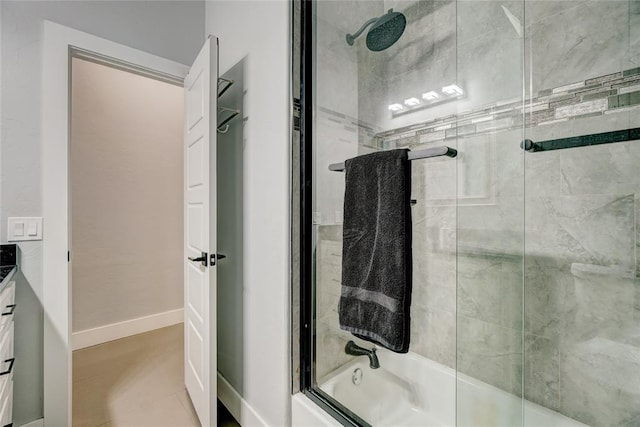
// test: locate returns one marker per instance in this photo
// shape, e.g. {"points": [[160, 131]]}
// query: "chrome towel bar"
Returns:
{"points": [[413, 155]]}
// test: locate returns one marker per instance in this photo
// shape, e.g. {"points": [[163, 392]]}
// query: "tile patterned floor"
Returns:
{"points": [[136, 381]]}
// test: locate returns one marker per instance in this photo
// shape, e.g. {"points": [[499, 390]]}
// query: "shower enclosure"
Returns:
{"points": [[526, 300]]}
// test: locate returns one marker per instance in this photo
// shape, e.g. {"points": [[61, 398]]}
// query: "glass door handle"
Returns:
{"points": [[202, 259]]}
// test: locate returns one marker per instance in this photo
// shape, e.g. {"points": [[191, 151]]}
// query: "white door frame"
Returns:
{"points": [[58, 44]]}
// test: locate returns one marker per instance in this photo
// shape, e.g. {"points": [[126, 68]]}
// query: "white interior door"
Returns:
{"points": [[200, 98]]}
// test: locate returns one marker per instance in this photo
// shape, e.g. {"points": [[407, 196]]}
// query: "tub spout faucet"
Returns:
{"points": [[355, 350]]}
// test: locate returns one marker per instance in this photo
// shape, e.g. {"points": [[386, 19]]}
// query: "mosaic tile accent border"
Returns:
{"points": [[349, 129], [592, 97], [606, 94], [296, 114]]}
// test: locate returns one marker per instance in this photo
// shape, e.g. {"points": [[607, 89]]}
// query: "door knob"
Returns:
{"points": [[202, 259]]}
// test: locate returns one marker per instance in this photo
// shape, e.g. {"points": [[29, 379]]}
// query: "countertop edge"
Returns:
{"points": [[7, 279]]}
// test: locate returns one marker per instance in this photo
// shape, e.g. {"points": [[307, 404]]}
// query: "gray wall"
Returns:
{"points": [[524, 265], [256, 36], [174, 30], [126, 168], [231, 235]]}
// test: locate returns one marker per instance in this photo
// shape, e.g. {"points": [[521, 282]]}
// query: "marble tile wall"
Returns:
{"points": [[581, 291], [634, 32], [563, 47], [525, 264], [341, 131], [337, 101]]}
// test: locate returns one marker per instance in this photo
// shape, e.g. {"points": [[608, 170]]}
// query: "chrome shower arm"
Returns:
{"points": [[351, 37]]}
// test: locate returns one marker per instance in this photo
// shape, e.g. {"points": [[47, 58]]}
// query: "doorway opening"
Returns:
{"points": [[126, 218], [61, 44]]}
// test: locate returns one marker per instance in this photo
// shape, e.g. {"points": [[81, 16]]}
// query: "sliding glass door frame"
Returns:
{"points": [[306, 28]]}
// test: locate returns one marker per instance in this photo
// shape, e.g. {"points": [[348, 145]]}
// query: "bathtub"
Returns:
{"points": [[410, 390]]}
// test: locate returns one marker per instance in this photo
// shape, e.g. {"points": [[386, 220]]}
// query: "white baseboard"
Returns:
{"points": [[237, 406], [114, 331], [37, 423]]}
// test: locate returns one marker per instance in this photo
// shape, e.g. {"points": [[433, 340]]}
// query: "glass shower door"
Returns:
{"points": [[581, 305], [369, 100], [489, 202], [525, 302]]}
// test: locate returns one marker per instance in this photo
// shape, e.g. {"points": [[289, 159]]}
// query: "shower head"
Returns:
{"points": [[386, 30]]}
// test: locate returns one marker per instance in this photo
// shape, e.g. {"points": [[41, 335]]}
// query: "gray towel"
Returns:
{"points": [[376, 254]]}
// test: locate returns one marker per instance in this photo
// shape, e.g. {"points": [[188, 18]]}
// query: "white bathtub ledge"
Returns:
{"points": [[305, 413]]}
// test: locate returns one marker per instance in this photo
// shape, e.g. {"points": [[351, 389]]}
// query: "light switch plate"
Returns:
{"points": [[24, 228], [18, 229]]}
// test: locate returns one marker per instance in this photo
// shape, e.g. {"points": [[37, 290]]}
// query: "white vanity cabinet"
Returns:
{"points": [[7, 360]]}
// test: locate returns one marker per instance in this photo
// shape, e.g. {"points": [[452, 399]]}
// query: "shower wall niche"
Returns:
{"points": [[525, 263]]}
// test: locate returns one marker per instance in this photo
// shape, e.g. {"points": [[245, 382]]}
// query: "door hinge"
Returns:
{"points": [[68, 256]]}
